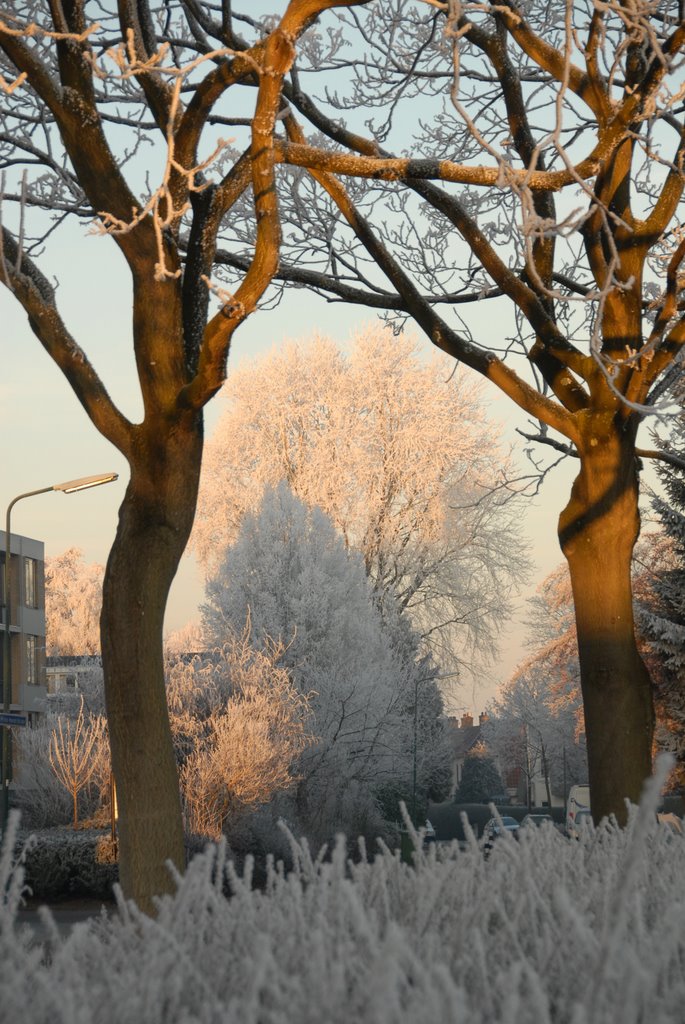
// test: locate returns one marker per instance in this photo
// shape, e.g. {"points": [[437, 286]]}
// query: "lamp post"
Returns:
{"points": [[68, 487]]}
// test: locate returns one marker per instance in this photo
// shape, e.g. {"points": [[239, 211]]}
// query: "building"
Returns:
{"points": [[66, 673], [27, 625], [465, 738]]}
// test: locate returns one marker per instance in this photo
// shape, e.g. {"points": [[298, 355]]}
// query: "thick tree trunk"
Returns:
{"points": [[155, 520], [597, 531]]}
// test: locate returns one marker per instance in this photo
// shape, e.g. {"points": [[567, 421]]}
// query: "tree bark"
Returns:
{"points": [[155, 519], [597, 532]]}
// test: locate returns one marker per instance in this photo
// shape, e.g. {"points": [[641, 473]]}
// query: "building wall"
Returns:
{"points": [[27, 626]]}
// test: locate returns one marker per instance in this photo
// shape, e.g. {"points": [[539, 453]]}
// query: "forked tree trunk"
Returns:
{"points": [[155, 519], [597, 531]]}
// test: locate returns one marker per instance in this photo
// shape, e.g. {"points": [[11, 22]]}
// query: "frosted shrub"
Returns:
{"points": [[545, 931]]}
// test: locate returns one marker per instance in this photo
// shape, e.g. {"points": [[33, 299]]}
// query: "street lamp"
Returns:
{"points": [[68, 487]]}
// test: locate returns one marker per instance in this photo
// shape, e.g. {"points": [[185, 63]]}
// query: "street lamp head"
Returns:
{"points": [[85, 482]]}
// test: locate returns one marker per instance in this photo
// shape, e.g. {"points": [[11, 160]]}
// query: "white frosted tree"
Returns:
{"points": [[533, 730], [291, 575], [73, 601], [403, 460]]}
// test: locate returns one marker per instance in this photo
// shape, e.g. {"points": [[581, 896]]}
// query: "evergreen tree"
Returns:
{"points": [[377, 717], [480, 780], [664, 623], [668, 625]]}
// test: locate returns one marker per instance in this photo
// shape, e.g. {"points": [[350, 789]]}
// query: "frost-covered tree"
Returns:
{"points": [[420, 496], [73, 601], [536, 726], [534, 732], [376, 712]]}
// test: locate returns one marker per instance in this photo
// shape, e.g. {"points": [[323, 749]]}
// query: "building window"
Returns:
{"points": [[31, 660], [30, 589]]}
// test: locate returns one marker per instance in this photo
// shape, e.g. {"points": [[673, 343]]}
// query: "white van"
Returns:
{"points": [[578, 800]]}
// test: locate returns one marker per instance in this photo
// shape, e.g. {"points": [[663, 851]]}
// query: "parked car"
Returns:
{"points": [[496, 827], [536, 820]]}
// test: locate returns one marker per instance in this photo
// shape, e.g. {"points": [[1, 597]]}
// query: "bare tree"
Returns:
{"points": [[81, 99], [541, 172], [76, 752]]}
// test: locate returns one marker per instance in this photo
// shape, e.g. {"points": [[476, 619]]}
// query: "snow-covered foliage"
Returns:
{"points": [[239, 725], [61, 864], [39, 794], [73, 599], [546, 930], [376, 710], [402, 458]]}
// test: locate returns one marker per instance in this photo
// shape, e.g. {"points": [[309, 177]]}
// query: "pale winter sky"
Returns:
{"points": [[47, 438]]}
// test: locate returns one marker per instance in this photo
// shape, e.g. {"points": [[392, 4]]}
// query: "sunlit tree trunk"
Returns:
{"points": [[154, 523], [597, 531]]}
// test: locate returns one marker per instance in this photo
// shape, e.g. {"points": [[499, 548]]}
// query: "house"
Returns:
{"points": [[26, 624], [465, 737], [66, 673]]}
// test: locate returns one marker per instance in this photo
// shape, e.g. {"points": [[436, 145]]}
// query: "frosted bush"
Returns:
{"points": [[544, 931]]}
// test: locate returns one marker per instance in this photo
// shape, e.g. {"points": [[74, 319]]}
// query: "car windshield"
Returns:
{"points": [[509, 822]]}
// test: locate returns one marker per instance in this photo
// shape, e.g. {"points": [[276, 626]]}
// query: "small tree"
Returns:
{"points": [[480, 779], [75, 752]]}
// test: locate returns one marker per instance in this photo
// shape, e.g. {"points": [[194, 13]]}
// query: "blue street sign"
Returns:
{"points": [[12, 719]]}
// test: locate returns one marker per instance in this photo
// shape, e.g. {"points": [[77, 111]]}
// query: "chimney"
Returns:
{"points": [[466, 721], [482, 718]]}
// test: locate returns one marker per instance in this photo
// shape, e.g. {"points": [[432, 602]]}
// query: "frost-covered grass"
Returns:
{"points": [[544, 930]]}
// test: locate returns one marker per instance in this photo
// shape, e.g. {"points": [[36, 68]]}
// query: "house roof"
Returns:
{"points": [[464, 739]]}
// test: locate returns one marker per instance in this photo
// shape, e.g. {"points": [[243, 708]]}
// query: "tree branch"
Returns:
{"points": [[30, 287]]}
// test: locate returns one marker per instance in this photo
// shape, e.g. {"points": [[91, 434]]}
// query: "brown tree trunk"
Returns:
{"points": [[597, 531], [155, 520]]}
